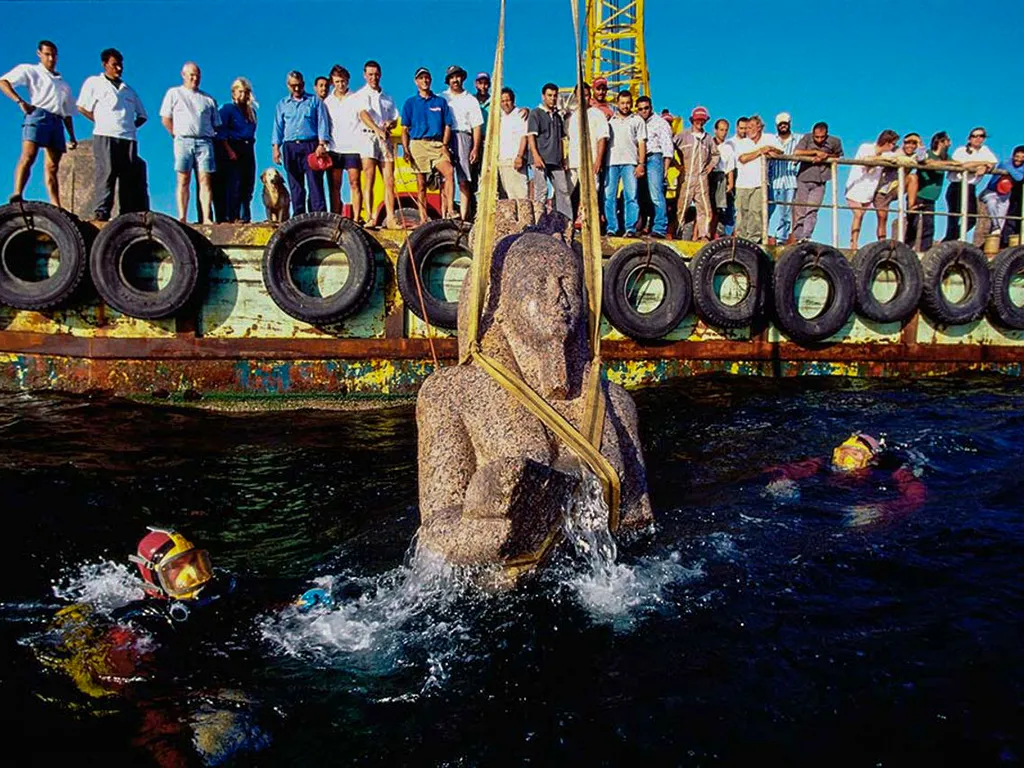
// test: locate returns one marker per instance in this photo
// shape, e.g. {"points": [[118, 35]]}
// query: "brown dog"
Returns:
{"points": [[276, 199]]}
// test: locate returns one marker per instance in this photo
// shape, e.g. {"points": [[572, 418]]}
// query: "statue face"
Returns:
{"points": [[545, 300]]}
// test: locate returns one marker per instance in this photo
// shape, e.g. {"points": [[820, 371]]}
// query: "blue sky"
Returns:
{"points": [[860, 67]]}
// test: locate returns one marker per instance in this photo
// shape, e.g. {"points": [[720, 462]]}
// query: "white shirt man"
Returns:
{"points": [[512, 145], [465, 110], [192, 112], [382, 110], [346, 130], [46, 90], [748, 175], [115, 107], [597, 125], [117, 112], [626, 133], [968, 155]]}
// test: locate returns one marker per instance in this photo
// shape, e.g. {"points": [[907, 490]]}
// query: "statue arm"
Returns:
{"points": [[447, 459]]}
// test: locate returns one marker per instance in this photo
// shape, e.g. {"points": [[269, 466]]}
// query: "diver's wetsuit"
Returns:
{"points": [[888, 467]]}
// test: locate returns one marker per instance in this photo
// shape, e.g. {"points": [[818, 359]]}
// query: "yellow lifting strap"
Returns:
{"points": [[585, 443]]}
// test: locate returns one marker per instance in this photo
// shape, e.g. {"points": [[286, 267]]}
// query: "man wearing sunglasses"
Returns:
{"points": [[978, 160]]}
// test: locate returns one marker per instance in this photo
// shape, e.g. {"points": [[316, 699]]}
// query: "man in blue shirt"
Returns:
{"points": [[301, 127], [426, 130]]}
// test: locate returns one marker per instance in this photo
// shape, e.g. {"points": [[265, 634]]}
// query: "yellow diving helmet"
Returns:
{"points": [[171, 566], [858, 451]]}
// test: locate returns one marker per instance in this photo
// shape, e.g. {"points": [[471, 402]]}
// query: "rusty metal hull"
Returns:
{"points": [[236, 343]]}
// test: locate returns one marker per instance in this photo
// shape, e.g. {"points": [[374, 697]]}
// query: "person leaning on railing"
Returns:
{"points": [[996, 195], [812, 176], [921, 212], [862, 183], [749, 188], [908, 155], [978, 160]]}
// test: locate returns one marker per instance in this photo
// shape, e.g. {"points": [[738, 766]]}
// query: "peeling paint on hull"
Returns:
{"points": [[237, 343]]}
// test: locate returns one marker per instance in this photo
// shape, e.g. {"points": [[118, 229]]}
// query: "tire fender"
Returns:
{"points": [[936, 264], [112, 245], [909, 277], [744, 255], [840, 300], [675, 276], [306, 232], [62, 228]]}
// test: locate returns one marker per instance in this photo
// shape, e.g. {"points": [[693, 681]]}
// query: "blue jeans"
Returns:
{"points": [[300, 175], [780, 217], [627, 175], [44, 129], [656, 189]]}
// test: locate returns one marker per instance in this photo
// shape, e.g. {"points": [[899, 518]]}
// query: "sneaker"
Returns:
{"points": [[15, 199], [659, 235], [630, 234]]}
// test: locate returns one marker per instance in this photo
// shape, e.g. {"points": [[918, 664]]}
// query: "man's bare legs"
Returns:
{"points": [[29, 150], [182, 194], [355, 191], [421, 196], [388, 171], [369, 177], [50, 168], [206, 197], [334, 184]]}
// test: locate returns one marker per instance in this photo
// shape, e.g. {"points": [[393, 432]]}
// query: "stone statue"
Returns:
{"points": [[494, 482]]}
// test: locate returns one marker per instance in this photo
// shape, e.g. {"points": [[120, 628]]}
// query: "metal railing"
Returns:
{"points": [[902, 168]]}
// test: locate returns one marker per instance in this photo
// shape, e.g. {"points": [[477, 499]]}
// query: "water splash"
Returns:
{"points": [[104, 585], [612, 591], [415, 616]]}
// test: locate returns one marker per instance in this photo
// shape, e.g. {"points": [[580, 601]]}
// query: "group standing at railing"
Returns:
{"points": [[766, 187]]}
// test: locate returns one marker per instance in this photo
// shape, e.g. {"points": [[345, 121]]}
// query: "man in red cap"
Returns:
{"points": [[698, 154], [600, 97]]}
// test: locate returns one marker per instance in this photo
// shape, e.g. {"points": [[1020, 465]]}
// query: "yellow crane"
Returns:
{"points": [[615, 45]]}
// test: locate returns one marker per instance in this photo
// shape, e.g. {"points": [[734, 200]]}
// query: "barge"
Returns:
{"points": [[231, 340]]}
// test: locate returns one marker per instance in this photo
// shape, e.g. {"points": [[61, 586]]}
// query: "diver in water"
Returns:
{"points": [[860, 461], [140, 652]]}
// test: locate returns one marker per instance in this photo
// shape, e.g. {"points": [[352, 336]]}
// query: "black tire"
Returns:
{"points": [[113, 243], [972, 261], [302, 234], [417, 250], [63, 230], [909, 277], [670, 267], [750, 258], [1008, 263], [839, 304]]}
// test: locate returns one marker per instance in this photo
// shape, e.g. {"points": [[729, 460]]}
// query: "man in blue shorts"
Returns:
{"points": [[192, 118], [47, 114]]}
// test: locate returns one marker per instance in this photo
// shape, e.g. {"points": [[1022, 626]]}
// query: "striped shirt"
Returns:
{"points": [[783, 175]]}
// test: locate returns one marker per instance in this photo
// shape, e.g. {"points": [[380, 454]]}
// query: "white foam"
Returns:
{"points": [[106, 585]]}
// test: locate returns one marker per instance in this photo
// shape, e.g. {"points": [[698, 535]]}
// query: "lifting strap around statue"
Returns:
{"points": [[585, 443]]}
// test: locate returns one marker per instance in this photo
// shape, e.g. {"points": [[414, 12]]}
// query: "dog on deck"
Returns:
{"points": [[276, 199]]}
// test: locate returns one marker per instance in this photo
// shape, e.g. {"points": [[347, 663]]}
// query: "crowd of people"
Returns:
{"points": [[337, 136]]}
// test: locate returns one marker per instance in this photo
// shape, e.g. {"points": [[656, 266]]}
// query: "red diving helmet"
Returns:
{"points": [[171, 566]]}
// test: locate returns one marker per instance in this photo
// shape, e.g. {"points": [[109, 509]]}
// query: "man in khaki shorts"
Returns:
{"points": [[427, 124]]}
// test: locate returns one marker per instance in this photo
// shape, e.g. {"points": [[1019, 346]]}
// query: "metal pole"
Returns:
{"points": [[764, 200], [901, 210], [835, 205], [963, 206]]}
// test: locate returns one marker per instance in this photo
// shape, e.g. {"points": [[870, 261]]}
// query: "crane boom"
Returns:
{"points": [[615, 45]]}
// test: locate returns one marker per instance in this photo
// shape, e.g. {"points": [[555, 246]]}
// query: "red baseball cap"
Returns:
{"points": [[599, 80], [699, 113], [1005, 185], [319, 162]]}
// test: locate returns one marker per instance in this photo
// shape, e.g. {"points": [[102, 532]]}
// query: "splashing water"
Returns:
{"points": [[106, 586], [416, 615], [610, 590]]}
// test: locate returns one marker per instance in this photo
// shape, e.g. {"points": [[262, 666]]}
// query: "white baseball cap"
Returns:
{"points": [[783, 117]]}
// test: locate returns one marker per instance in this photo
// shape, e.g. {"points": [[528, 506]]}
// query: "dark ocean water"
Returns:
{"points": [[797, 623]]}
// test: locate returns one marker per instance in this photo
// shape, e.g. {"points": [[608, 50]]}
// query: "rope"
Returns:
{"points": [[423, 304], [583, 443]]}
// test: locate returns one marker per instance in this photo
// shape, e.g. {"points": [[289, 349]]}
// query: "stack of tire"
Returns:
{"points": [[771, 289]]}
